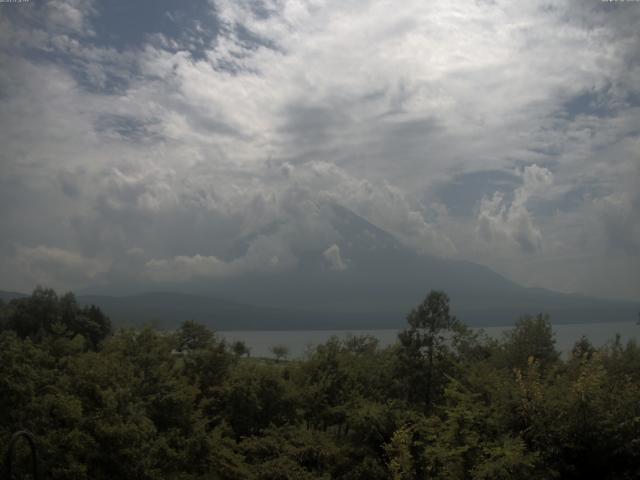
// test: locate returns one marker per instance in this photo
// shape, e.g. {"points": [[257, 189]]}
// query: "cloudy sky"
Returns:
{"points": [[141, 140]]}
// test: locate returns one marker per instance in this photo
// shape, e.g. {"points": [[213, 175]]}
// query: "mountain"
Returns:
{"points": [[356, 276], [380, 279]]}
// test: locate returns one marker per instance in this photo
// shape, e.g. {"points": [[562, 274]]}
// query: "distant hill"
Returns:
{"points": [[8, 296], [167, 310]]}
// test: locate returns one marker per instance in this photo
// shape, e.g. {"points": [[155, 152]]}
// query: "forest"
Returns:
{"points": [[443, 402]]}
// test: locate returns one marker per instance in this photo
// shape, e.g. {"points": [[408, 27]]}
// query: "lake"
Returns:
{"points": [[299, 341]]}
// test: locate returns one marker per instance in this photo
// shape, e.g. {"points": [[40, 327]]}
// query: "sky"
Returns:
{"points": [[143, 140]]}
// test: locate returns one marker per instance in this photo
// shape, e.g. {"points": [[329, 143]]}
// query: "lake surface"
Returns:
{"points": [[300, 341]]}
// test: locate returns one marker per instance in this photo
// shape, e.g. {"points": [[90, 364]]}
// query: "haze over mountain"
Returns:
{"points": [[355, 275], [364, 269], [201, 147]]}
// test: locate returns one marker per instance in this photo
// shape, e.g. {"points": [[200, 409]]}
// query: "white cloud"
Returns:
{"points": [[334, 259], [52, 266], [69, 15], [500, 220], [181, 268], [360, 103]]}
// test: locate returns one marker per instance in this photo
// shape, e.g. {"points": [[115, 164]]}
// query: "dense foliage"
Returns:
{"points": [[442, 403]]}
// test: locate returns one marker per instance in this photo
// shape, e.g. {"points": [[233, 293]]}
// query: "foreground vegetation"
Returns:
{"points": [[443, 403]]}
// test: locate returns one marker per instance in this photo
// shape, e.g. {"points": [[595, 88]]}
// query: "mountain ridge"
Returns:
{"points": [[377, 283]]}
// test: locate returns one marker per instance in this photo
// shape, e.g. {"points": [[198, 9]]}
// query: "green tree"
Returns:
{"points": [[254, 397], [93, 324], [35, 316], [150, 405], [424, 349], [583, 349], [531, 337], [193, 336], [280, 351], [240, 349], [291, 452], [401, 463], [45, 315]]}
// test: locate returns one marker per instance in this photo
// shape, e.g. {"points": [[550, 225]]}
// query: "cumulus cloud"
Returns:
{"points": [[70, 15], [333, 258], [264, 254], [54, 266], [500, 219], [181, 268], [381, 203]]}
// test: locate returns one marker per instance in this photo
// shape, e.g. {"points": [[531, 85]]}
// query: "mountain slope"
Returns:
{"points": [[383, 279], [168, 309], [357, 277]]}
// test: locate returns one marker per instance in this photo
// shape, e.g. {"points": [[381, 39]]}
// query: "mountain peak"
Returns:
{"points": [[355, 231]]}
